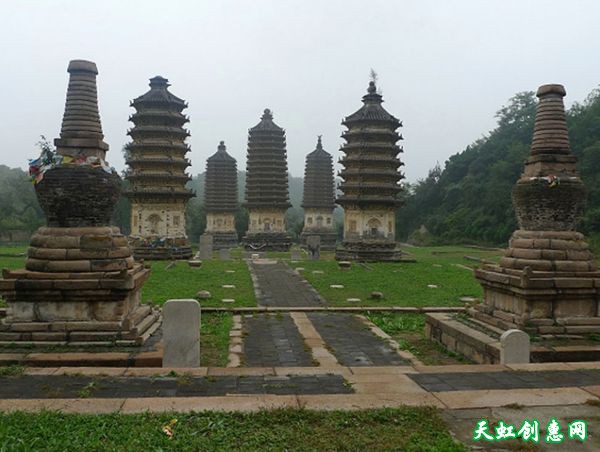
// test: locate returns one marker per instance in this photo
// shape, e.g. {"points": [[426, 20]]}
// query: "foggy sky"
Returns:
{"points": [[444, 67]]}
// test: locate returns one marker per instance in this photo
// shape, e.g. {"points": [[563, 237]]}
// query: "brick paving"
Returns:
{"points": [[80, 386], [273, 340], [278, 285], [352, 342], [473, 381]]}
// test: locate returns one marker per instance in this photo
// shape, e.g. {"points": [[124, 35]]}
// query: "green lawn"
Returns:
{"points": [[408, 330], [214, 338], [406, 429], [403, 284], [183, 281]]}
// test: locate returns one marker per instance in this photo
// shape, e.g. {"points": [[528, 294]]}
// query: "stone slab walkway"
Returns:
{"points": [[352, 342], [103, 387], [459, 381], [273, 340], [276, 284]]}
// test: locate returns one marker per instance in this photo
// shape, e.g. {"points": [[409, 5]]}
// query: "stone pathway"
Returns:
{"points": [[440, 382], [273, 340], [276, 284], [352, 342], [99, 387]]}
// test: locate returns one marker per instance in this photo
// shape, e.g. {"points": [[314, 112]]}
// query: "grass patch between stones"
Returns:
{"points": [[214, 338], [405, 428]]}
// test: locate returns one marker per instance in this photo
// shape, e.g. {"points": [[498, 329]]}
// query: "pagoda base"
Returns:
{"points": [[370, 252], [328, 239], [224, 240], [480, 342], [80, 287], [176, 248], [267, 241]]}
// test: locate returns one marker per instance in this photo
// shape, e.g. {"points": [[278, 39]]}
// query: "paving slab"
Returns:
{"points": [[352, 342], [279, 285], [182, 385], [223, 403], [518, 397], [273, 340], [462, 423]]}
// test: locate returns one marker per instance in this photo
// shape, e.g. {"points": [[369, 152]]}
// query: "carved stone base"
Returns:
{"points": [[80, 287], [267, 241], [160, 249], [224, 240], [370, 251], [328, 239]]}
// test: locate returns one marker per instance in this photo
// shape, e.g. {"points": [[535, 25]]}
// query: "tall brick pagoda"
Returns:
{"points": [[267, 196], [370, 182], [319, 198], [221, 198], [157, 164], [547, 283], [80, 284]]}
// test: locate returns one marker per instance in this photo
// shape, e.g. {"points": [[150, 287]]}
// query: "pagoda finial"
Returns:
{"points": [[267, 114], [221, 146], [372, 89], [319, 144]]}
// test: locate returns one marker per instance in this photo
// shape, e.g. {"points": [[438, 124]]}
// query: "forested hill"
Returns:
{"points": [[469, 200]]}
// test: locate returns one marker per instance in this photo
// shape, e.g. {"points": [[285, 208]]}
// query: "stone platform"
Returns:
{"points": [[267, 241], [479, 341], [167, 249], [80, 286], [369, 252], [223, 240]]}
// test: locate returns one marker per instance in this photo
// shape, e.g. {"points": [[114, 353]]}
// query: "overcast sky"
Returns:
{"points": [[444, 67]]}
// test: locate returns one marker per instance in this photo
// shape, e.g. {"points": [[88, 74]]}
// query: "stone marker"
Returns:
{"points": [[195, 263], [377, 295], [228, 286], [344, 265], [181, 333], [514, 347], [299, 269], [432, 286], [336, 286], [318, 272], [353, 300], [296, 255], [229, 271], [313, 245], [203, 295], [224, 254], [205, 248], [255, 256], [228, 300]]}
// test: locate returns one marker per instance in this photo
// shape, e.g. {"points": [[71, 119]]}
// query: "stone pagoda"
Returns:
{"points": [[157, 164], [267, 196], [319, 198], [370, 182], [221, 198], [80, 284], [547, 283]]}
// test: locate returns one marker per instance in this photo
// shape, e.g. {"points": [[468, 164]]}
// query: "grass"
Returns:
{"points": [[408, 330], [214, 338], [183, 281], [405, 428], [402, 284]]}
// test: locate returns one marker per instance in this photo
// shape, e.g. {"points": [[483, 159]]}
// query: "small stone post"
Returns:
{"points": [[181, 333], [514, 347]]}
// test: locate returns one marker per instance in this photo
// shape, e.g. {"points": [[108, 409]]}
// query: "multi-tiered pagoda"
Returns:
{"points": [[80, 285], [319, 198], [267, 196], [370, 182], [220, 198], [157, 162]]}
